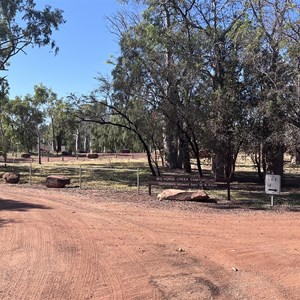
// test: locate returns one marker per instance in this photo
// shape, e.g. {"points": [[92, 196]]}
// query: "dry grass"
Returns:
{"points": [[112, 172]]}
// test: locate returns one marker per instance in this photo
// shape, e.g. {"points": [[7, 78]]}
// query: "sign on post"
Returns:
{"points": [[273, 184]]}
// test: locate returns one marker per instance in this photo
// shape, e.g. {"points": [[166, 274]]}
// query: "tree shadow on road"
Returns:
{"points": [[8, 204]]}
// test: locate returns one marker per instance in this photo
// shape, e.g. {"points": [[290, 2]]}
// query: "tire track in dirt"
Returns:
{"points": [[19, 244], [89, 264], [161, 252], [280, 264], [125, 259], [65, 255], [122, 249], [104, 250]]}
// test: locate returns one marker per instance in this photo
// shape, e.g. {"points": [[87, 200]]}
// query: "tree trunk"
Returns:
{"points": [[148, 152], [274, 159], [39, 148], [257, 160], [297, 157], [59, 140], [77, 141], [170, 146], [53, 135], [85, 143], [218, 165], [184, 155], [4, 143], [196, 151]]}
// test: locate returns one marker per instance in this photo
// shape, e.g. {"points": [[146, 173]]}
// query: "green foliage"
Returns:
{"points": [[218, 74], [21, 24], [25, 120], [59, 116]]}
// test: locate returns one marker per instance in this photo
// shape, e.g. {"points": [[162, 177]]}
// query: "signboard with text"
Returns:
{"points": [[273, 184], [176, 181]]}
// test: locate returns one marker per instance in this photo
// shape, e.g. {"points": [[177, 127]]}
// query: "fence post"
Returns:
{"points": [[30, 173], [138, 181], [80, 176]]}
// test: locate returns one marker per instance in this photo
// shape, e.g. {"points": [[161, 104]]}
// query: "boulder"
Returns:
{"points": [[57, 181], [125, 151], [92, 155], [182, 195], [11, 177]]}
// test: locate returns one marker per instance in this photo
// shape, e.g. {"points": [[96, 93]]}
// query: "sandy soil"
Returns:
{"points": [[70, 244]]}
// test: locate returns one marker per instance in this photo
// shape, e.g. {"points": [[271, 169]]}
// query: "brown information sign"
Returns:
{"points": [[176, 181]]}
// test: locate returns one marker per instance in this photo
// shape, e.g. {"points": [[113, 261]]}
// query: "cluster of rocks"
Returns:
{"points": [[51, 181], [54, 181]]}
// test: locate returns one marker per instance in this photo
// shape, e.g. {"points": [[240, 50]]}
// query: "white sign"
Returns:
{"points": [[273, 184]]}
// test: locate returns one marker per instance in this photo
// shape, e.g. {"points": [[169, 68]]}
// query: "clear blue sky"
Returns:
{"points": [[85, 44]]}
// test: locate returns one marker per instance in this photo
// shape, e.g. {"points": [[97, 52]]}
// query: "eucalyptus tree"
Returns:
{"points": [[26, 122], [114, 139], [22, 24], [219, 72], [5, 132], [101, 108], [217, 22], [48, 101], [271, 62], [292, 36], [58, 116], [160, 62]]}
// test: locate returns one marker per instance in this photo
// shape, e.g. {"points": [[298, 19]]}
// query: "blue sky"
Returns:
{"points": [[85, 44]]}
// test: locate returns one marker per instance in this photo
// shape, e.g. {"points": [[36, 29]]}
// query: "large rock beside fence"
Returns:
{"points": [[182, 195], [92, 155], [11, 177], [125, 151], [57, 181]]}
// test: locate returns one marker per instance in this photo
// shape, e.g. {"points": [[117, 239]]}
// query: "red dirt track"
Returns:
{"points": [[69, 244]]}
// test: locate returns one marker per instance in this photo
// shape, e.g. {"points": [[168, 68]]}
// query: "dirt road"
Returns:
{"points": [[60, 244]]}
